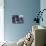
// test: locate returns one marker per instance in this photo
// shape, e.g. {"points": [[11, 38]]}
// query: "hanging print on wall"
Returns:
{"points": [[17, 19]]}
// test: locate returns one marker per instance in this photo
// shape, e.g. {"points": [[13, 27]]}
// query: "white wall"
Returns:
{"points": [[1, 20], [43, 6], [28, 8]]}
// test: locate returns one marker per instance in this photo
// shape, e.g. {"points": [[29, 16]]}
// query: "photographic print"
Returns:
{"points": [[17, 19]]}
